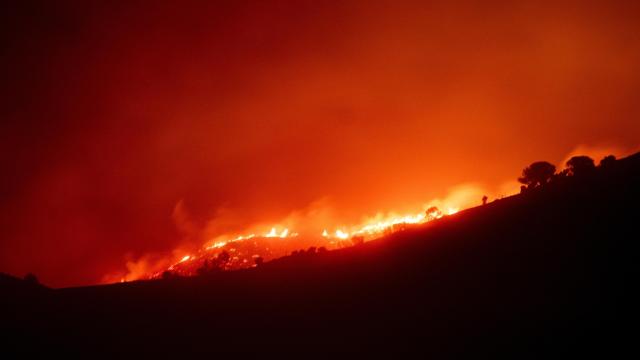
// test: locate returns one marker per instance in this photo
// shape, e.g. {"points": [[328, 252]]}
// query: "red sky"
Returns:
{"points": [[113, 113]]}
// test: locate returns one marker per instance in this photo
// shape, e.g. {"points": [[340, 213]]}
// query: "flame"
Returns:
{"points": [[238, 258], [241, 251], [273, 233], [374, 228], [219, 244]]}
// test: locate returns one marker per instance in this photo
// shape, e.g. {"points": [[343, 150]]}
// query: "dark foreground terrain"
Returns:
{"points": [[552, 272]]}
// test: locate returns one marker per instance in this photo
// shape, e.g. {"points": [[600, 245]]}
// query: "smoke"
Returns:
{"points": [[597, 152], [183, 221], [304, 223], [140, 267], [460, 197], [227, 224]]}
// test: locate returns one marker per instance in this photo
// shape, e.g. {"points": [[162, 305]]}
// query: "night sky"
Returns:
{"points": [[137, 127]]}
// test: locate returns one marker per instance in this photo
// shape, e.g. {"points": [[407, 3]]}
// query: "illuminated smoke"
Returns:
{"points": [[316, 225]]}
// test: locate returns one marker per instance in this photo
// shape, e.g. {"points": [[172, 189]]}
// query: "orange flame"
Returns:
{"points": [[242, 251], [368, 230]]}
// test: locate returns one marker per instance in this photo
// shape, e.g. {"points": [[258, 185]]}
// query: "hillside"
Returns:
{"points": [[549, 272]]}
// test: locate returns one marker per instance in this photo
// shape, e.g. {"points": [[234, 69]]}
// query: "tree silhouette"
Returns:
{"points": [[607, 161], [580, 165], [484, 200], [537, 174]]}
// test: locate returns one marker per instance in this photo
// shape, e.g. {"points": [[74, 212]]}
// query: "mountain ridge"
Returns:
{"points": [[548, 271]]}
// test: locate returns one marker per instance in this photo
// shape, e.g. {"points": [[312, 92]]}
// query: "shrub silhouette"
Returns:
{"points": [[580, 165], [357, 240], [484, 200], [31, 279], [166, 275], [224, 257], [258, 260], [214, 265], [204, 269], [433, 213], [537, 174]]}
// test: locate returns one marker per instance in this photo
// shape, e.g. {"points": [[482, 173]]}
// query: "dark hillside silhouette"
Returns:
{"points": [[551, 272]]}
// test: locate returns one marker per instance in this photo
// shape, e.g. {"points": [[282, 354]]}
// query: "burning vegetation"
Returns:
{"points": [[224, 253], [251, 250]]}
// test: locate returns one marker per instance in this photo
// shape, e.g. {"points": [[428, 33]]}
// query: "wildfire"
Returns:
{"points": [[242, 251], [264, 242]]}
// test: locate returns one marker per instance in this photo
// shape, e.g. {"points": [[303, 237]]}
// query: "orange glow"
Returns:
{"points": [[313, 227], [223, 135], [368, 230]]}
